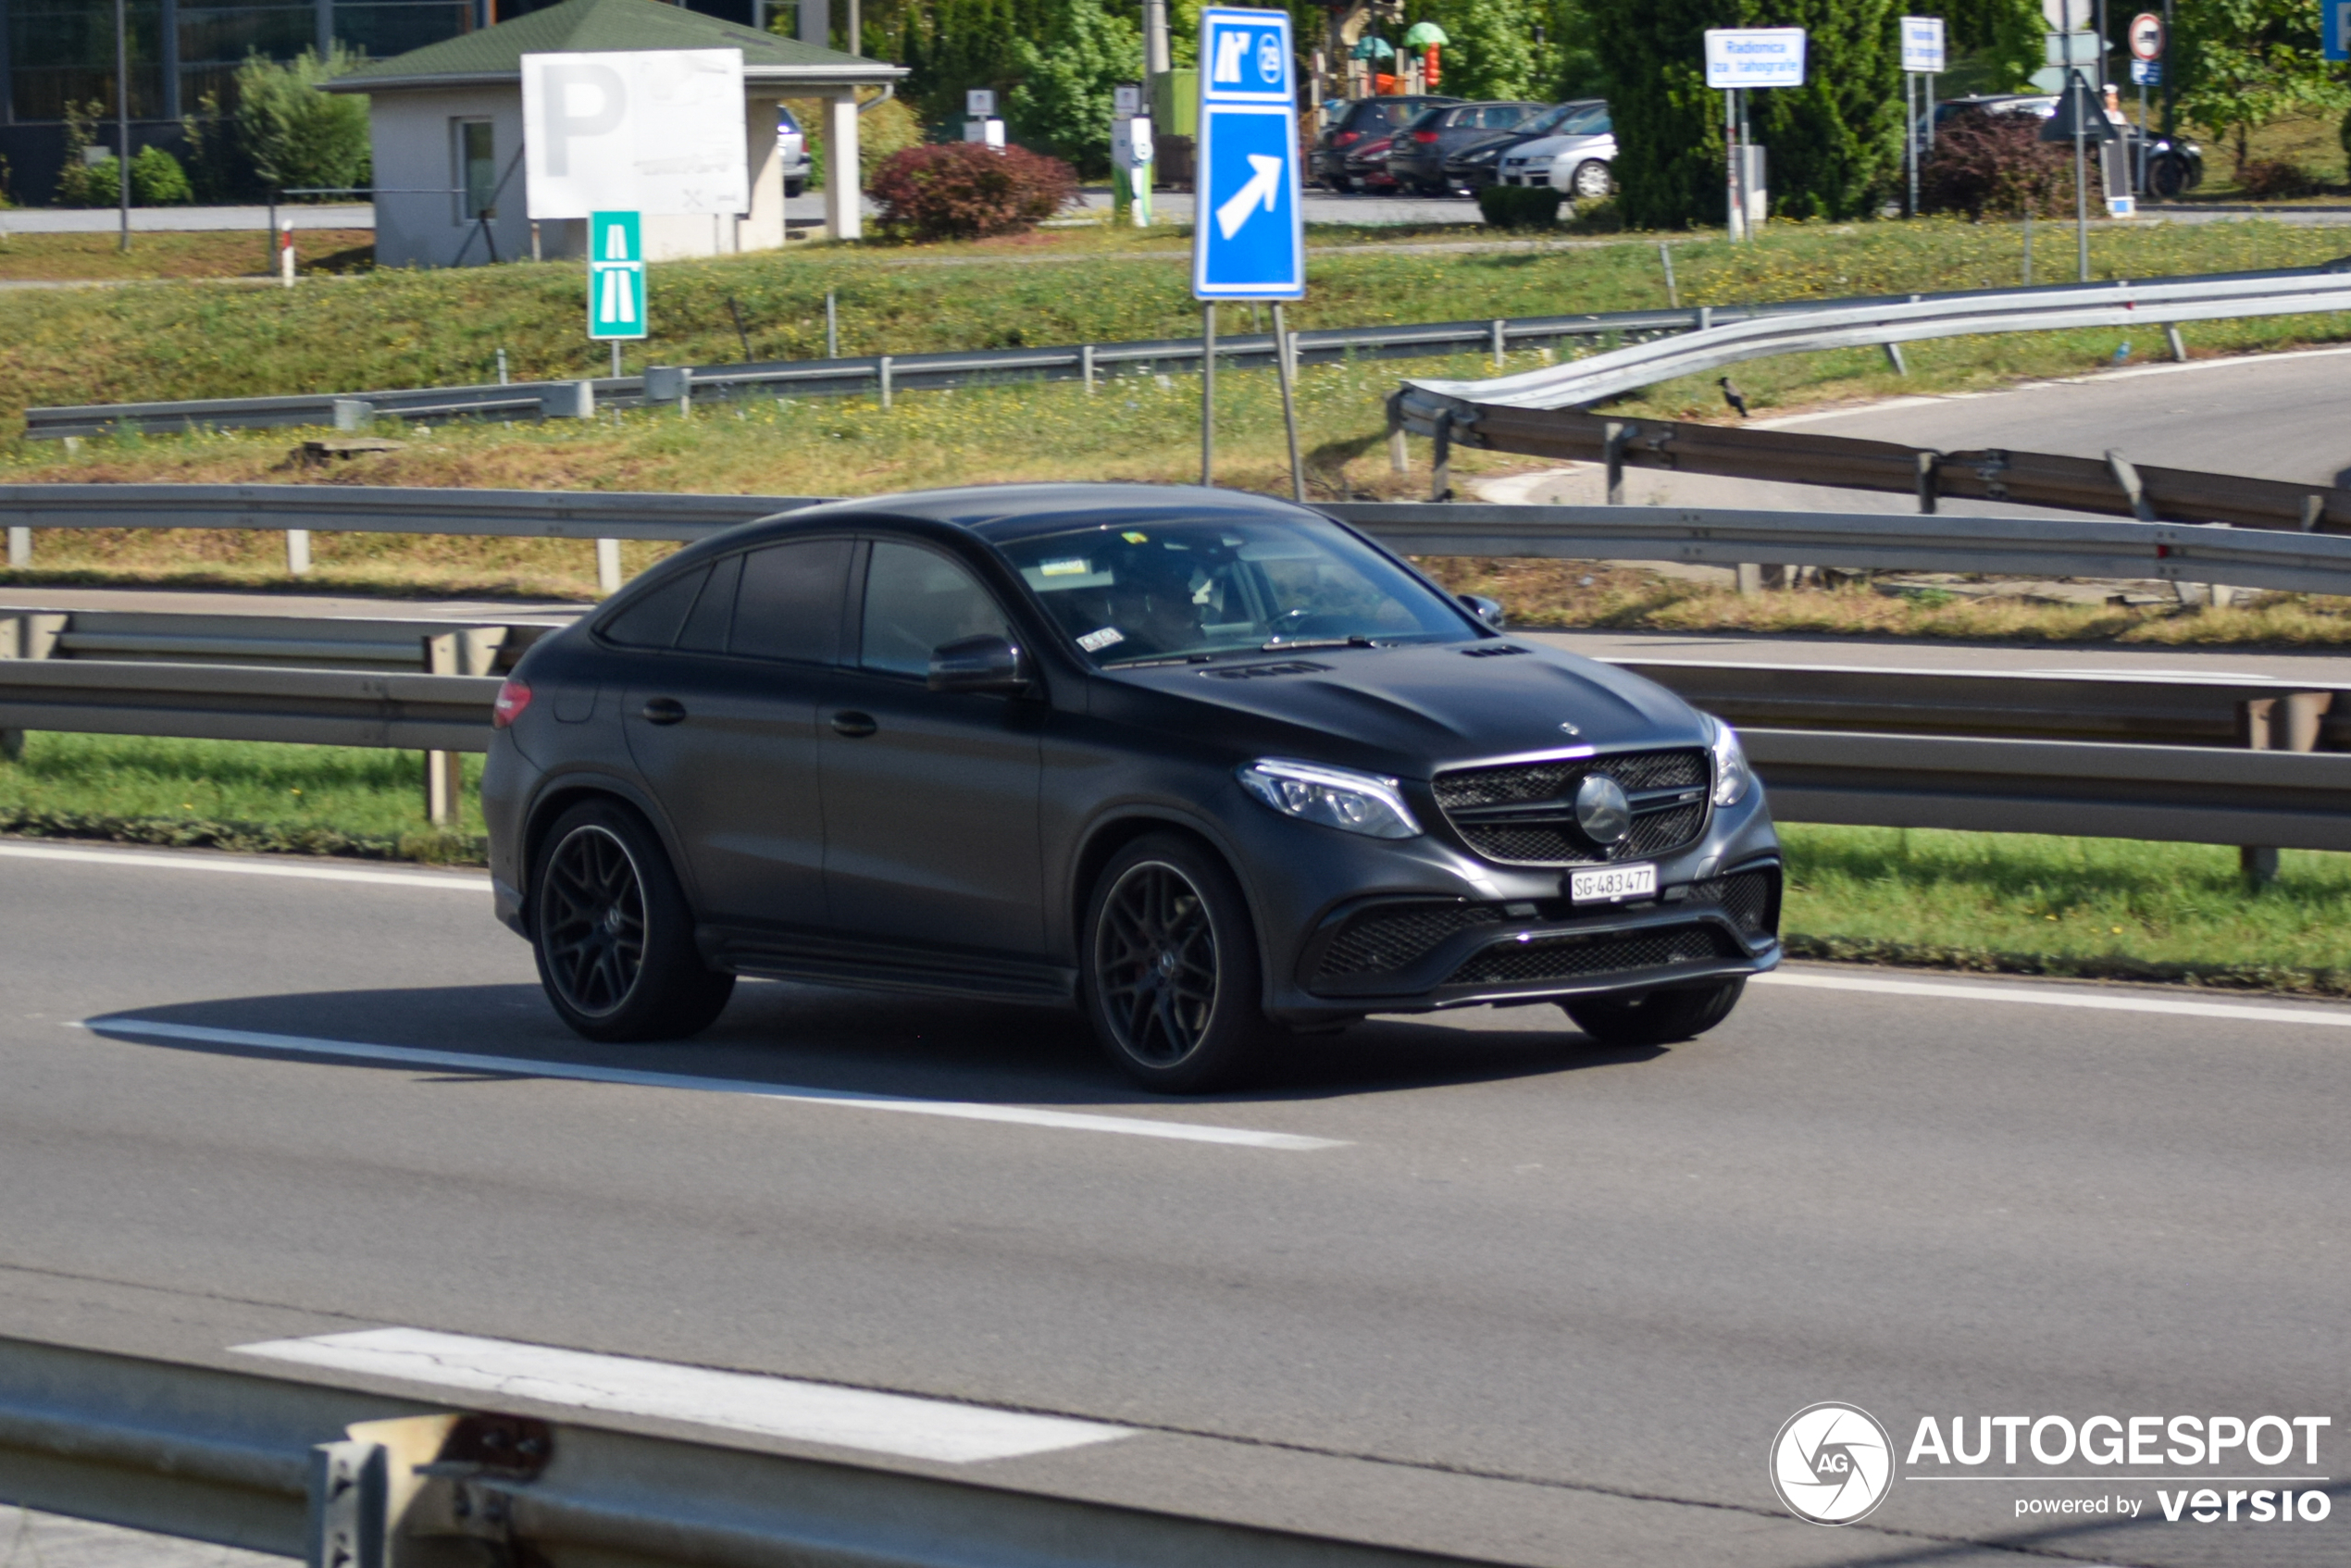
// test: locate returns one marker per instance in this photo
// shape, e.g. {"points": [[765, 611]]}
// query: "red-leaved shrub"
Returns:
{"points": [[1995, 164], [2267, 180], [963, 191]]}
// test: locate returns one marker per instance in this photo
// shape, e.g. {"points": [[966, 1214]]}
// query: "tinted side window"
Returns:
{"points": [[706, 628], [652, 621], [788, 607], [916, 600]]}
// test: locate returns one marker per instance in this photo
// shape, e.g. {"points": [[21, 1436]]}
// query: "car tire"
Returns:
{"points": [[1169, 970], [794, 187], [2167, 177], [1591, 181], [1339, 185], [614, 934], [1658, 1018]]}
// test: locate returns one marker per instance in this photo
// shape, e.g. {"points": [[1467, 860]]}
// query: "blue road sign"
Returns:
{"points": [[1249, 231], [615, 276], [2335, 29]]}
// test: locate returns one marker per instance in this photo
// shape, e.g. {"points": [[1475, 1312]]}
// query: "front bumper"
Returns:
{"points": [[1407, 954]]}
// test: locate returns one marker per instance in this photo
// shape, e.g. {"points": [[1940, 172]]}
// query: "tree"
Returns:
{"points": [[1064, 102], [1997, 42], [2244, 63], [1835, 142], [1500, 48], [295, 136]]}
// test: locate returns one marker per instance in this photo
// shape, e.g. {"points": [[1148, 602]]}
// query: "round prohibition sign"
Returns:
{"points": [[2146, 36]]}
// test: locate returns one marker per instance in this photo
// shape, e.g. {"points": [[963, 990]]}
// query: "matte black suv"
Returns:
{"points": [[1206, 763]]}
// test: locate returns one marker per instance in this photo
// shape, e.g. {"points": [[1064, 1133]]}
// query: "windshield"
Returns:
{"points": [[1570, 119], [1132, 592]]}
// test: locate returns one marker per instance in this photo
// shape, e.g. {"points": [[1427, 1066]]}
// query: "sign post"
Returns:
{"points": [[615, 280], [2147, 38], [1736, 59], [1249, 231], [980, 124], [1921, 57]]}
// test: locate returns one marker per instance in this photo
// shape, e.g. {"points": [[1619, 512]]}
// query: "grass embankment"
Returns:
{"points": [[1969, 901], [210, 254]]}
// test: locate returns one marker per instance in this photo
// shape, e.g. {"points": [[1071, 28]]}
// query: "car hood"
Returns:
{"points": [[1416, 709]]}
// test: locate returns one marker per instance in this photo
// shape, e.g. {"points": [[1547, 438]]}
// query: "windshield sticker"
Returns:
{"points": [[1133, 538], [1075, 568], [1095, 641]]}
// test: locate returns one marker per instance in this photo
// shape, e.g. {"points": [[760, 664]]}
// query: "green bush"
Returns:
{"points": [[1519, 206], [157, 180], [295, 136]]}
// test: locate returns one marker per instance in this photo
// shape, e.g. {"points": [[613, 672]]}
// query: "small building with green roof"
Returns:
{"points": [[447, 127]]}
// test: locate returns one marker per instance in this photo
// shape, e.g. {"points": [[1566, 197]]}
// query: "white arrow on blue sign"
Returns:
{"points": [[1248, 234]]}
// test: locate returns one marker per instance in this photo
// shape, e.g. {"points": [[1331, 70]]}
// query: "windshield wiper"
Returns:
{"points": [[1357, 641]]}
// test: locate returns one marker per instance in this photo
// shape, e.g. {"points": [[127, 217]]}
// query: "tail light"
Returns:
{"points": [[1347, 138], [1424, 137], [513, 697]]}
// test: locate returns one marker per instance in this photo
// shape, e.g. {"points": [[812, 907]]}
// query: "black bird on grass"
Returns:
{"points": [[1732, 395]]}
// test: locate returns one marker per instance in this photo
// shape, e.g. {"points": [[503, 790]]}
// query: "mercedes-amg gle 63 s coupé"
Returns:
{"points": [[1213, 768]]}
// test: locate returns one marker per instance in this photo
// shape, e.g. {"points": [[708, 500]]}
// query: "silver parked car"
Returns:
{"points": [[791, 151], [1574, 159]]}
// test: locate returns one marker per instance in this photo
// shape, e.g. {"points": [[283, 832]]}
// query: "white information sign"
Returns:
{"points": [[1755, 56], [656, 132], [2068, 16], [1922, 45], [979, 103]]}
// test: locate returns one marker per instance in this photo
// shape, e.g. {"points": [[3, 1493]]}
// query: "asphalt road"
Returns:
{"points": [[1532, 1300]]}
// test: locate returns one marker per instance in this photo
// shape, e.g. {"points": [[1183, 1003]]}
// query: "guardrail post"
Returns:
{"points": [[297, 552], [670, 383], [607, 567], [2179, 348], [1926, 461], [2277, 724], [468, 650], [1894, 357], [1612, 434], [355, 412], [1749, 576], [1440, 472], [20, 549], [882, 368], [1400, 458], [1500, 347], [569, 400], [2314, 512], [1085, 366], [26, 637]]}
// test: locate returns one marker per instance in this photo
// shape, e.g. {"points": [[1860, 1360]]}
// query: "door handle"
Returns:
{"points": [[856, 725], [663, 710]]}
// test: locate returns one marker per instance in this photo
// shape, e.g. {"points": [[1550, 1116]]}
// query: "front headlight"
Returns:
{"points": [[1732, 775], [1335, 797]]}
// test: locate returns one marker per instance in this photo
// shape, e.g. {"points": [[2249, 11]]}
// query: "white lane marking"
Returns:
{"points": [[2335, 1018], [776, 1407], [2131, 373], [237, 865], [525, 1067]]}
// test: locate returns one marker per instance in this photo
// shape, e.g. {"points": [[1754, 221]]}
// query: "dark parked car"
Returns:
{"points": [[1476, 164], [1204, 764], [1355, 120], [1365, 164], [1422, 147], [2165, 167]]}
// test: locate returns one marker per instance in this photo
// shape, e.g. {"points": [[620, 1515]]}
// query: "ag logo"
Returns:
{"points": [[1832, 1464]]}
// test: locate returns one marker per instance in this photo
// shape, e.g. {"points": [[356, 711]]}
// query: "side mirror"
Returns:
{"points": [[980, 664], [1485, 609]]}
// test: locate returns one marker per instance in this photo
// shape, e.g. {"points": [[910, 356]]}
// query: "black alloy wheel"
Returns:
{"points": [[1171, 971], [1658, 1018], [612, 934]]}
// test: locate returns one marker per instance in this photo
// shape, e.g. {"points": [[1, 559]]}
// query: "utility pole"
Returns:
{"points": [[122, 117], [2081, 172], [1155, 56]]}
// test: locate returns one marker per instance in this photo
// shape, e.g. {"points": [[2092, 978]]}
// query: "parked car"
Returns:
{"points": [[1205, 765], [791, 152], [2173, 166], [1350, 121], [1478, 163], [1574, 158], [1422, 147], [1365, 164]]}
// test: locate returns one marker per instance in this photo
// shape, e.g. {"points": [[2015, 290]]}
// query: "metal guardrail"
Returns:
{"points": [[1922, 317], [449, 647], [308, 1470], [2188, 758], [2113, 484], [2050, 547], [518, 514], [1086, 362]]}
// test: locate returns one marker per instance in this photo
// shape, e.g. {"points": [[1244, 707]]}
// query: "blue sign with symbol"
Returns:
{"points": [[2335, 29], [1249, 232]]}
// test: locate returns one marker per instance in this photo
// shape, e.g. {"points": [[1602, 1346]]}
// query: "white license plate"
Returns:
{"points": [[1610, 883]]}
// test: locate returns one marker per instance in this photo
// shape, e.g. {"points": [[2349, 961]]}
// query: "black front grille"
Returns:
{"points": [[1382, 940], [1575, 958], [1751, 899], [1660, 826]]}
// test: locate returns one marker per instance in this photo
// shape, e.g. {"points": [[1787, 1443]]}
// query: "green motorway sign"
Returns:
{"points": [[615, 276]]}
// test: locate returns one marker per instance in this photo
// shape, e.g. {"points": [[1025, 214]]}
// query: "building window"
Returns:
{"points": [[476, 180]]}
